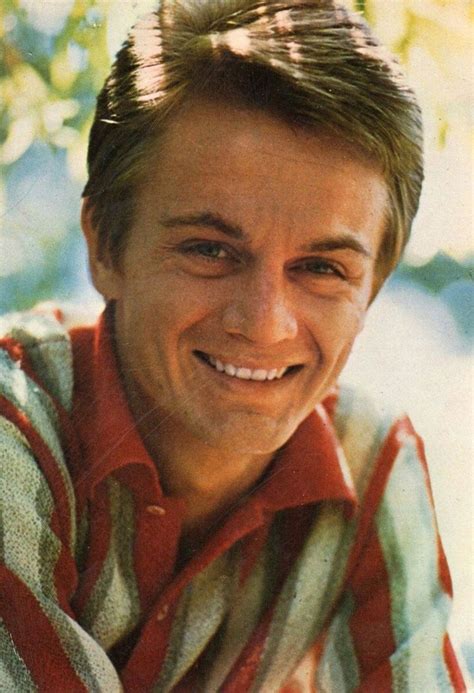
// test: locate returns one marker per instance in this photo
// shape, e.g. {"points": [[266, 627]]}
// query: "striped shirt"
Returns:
{"points": [[328, 576]]}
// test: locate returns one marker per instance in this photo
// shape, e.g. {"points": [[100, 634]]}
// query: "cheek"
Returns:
{"points": [[335, 325], [165, 307]]}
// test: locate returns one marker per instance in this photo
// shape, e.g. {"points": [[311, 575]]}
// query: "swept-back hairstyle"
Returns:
{"points": [[311, 63]]}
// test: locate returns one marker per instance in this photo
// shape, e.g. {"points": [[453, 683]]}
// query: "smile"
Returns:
{"points": [[244, 373]]}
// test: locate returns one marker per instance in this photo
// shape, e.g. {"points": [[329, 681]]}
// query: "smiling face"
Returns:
{"points": [[246, 276]]}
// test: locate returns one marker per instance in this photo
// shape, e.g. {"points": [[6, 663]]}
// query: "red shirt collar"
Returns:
{"points": [[310, 468]]}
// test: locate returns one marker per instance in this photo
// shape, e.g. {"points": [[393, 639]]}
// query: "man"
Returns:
{"points": [[189, 502]]}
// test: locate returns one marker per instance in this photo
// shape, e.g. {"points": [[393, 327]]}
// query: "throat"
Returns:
{"points": [[211, 489], [210, 492], [206, 512]]}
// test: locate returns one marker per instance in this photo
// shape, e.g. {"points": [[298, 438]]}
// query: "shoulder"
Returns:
{"points": [[35, 354], [372, 434], [35, 377], [36, 388], [37, 342]]}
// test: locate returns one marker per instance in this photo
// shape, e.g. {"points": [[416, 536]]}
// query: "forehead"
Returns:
{"points": [[213, 129], [250, 165]]}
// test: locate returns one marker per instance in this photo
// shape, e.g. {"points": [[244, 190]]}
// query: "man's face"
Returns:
{"points": [[246, 276]]}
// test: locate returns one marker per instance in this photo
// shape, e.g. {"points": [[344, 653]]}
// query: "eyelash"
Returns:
{"points": [[196, 248], [326, 265]]}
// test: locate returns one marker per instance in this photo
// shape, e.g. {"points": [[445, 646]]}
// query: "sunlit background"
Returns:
{"points": [[417, 347]]}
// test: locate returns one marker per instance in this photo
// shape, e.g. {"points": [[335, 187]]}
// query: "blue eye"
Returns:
{"points": [[209, 250], [322, 267]]}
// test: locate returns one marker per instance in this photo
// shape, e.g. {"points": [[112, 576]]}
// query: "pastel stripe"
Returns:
{"points": [[27, 538], [303, 603], [414, 584], [249, 602], [24, 528], [360, 431], [397, 534], [338, 668], [14, 675], [113, 608], [201, 610], [47, 343], [89, 662], [98, 540], [27, 398], [44, 357]]}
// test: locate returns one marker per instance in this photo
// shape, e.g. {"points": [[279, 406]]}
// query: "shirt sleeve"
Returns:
{"points": [[42, 647], [389, 631]]}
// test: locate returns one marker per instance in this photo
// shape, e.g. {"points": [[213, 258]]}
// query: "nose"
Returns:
{"points": [[262, 310]]}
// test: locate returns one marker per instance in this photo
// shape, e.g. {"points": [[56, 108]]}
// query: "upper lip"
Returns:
{"points": [[252, 363]]}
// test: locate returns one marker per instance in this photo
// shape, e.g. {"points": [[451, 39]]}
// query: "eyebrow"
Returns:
{"points": [[208, 220], [343, 241]]}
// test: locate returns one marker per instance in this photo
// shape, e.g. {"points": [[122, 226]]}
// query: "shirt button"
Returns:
{"points": [[155, 510], [162, 613]]}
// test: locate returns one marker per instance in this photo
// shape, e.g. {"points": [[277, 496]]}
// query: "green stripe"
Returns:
{"points": [[201, 610], [307, 597], [418, 664], [360, 431], [344, 409], [88, 660], [22, 527], [49, 547], [176, 643], [24, 494], [82, 546], [344, 644], [338, 668], [14, 675], [249, 602], [48, 346], [114, 606], [46, 357], [407, 534], [27, 397], [408, 537], [394, 561]]}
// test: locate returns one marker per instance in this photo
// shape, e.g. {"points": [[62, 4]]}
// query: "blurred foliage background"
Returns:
{"points": [[54, 57]]}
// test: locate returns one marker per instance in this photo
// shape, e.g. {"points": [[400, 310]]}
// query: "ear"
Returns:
{"points": [[105, 277]]}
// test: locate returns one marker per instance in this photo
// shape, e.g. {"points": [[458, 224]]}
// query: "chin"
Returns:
{"points": [[248, 434]]}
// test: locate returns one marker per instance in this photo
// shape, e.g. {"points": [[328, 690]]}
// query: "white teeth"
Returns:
{"points": [[259, 374]]}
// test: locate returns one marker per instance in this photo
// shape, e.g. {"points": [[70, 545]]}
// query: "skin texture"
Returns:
{"points": [[253, 243]]}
